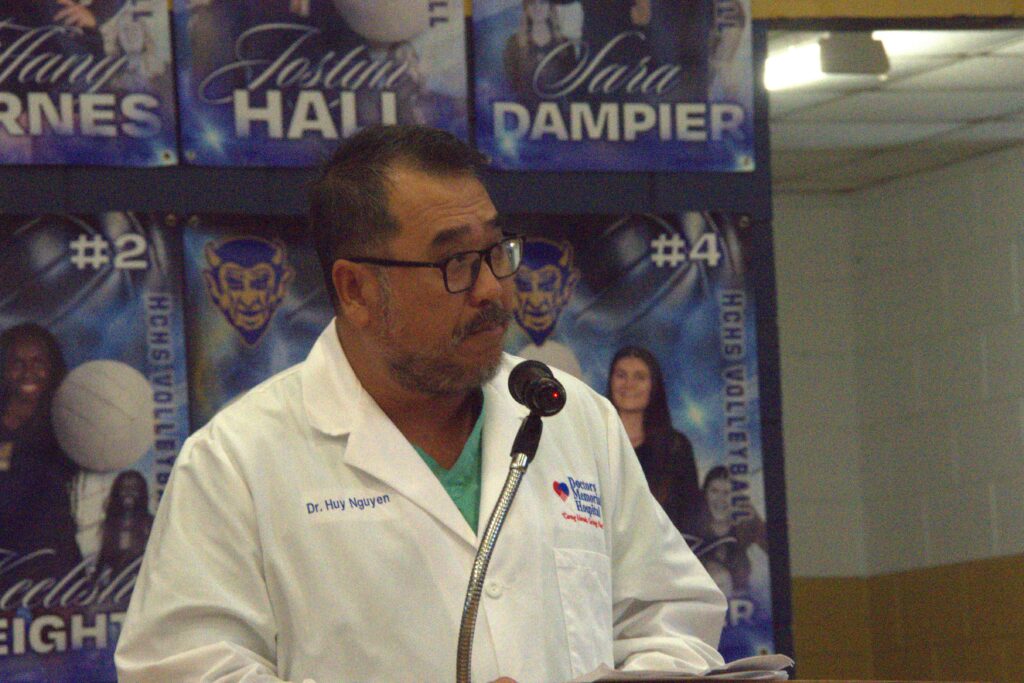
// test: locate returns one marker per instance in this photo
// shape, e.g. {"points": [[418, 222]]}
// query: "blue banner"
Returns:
{"points": [[627, 85], [257, 302], [279, 82], [93, 401], [656, 313], [86, 83]]}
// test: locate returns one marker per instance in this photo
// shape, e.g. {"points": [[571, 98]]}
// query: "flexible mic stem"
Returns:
{"points": [[523, 450]]}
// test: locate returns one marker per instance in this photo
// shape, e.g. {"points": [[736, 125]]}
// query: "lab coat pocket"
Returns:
{"points": [[584, 586]]}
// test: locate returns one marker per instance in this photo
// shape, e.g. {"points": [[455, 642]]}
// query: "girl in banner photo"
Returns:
{"points": [[637, 390], [539, 33], [727, 534], [126, 526], [35, 474]]}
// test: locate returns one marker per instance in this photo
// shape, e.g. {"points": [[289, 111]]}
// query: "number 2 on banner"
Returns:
{"points": [[706, 249], [93, 252], [129, 248]]}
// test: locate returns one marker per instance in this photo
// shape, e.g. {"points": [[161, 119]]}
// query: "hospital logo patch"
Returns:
{"points": [[586, 499]]}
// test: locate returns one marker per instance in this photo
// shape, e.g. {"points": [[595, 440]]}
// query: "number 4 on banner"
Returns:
{"points": [[706, 249]]}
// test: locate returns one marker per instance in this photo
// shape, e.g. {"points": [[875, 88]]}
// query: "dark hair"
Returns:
{"points": [[115, 502], [668, 462], [731, 552], [113, 555], [58, 368], [657, 418], [716, 472], [348, 202]]}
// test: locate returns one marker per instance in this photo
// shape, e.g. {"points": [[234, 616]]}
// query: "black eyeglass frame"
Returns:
{"points": [[442, 265]]}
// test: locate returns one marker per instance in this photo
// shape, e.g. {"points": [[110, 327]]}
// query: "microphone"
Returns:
{"points": [[532, 384]]}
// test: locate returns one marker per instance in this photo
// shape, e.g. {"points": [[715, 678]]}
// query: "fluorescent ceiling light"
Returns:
{"points": [[904, 43], [937, 43], [799, 65]]}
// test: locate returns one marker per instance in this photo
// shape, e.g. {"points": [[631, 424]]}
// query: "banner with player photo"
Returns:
{"points": [[86, 83], [657, 313], [93, 399], [257, 302], [623, 85], [279, 82]]}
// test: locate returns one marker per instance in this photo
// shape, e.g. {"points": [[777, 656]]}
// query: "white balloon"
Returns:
{"points": [[385, 22], [103, 415]]}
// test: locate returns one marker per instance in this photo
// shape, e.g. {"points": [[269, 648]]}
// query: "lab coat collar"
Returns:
{"points": [[502, 419], [331, 393], [336, 404]]}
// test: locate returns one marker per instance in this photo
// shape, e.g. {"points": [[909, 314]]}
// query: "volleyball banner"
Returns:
{"points": [[656, 312], [86, 83], [93, 396], [280, 82], [624, 85], [257, 302]]}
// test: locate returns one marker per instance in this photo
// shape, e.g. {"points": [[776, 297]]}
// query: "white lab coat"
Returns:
{"points": [[251, 574]]}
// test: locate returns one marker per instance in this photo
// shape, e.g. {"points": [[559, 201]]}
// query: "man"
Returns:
{"points": [[324, 525]]}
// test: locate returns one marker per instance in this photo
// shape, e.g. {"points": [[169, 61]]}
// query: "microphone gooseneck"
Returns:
{"points": [[537, 389]]}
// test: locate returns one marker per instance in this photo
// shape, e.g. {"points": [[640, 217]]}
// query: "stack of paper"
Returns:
{"points": [[761, 668]]}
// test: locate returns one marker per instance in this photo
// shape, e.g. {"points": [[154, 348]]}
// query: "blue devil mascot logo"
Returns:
{"points": [[544, 284], [247, 280]]}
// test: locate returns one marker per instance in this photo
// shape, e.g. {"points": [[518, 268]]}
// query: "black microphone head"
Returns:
{"points": [[532, 384], [523, 374], [547, 396]]}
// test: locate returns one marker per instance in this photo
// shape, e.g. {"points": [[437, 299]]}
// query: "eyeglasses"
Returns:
{"points": [[461, 270]]}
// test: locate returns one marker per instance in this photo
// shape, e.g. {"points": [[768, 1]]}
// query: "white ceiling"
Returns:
{"points": [[949, 96]]}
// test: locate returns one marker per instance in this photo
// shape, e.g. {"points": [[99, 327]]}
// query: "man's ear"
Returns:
{"points": [[357, 290]]}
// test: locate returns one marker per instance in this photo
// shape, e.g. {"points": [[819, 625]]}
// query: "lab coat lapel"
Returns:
{"points": [[502, 418], [336, 404], [379, 449]]}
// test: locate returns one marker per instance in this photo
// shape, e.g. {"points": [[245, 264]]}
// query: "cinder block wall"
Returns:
{"points": [[902, 341]]}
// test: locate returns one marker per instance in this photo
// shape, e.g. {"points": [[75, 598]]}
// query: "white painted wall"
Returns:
{"points": [[941, 358], [817, 332], [902, 344]]}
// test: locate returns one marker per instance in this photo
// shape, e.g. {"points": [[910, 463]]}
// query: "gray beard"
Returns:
{"points": [[429, 372], [433, 377]]}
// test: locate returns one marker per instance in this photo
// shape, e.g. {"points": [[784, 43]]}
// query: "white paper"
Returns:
{"points": [[760, 668]]}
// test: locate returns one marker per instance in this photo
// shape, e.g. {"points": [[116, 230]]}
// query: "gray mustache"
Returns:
{"points": [[489, 317]]}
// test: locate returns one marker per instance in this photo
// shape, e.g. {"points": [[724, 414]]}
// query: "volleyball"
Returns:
{"points": [[103, 415], [385, 22]]}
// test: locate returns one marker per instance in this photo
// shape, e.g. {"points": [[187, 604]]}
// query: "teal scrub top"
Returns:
{"points": [[462, 481]]}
